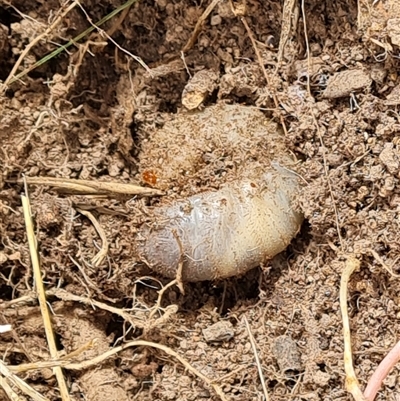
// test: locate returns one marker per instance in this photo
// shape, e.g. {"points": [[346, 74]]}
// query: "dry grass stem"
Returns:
{"points": [[199, 25], [259, 367], [63, 361], [11, 394], [42, 295], [33, 43], [7, 377], [352, 384], [87, 187], [303, 12], [99, 257]]}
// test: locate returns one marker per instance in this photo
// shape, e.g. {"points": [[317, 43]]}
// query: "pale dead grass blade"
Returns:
{"points": [[11, 394], [63, 361], [7, 377], [259, 367], [42, 295], [93, 187]]}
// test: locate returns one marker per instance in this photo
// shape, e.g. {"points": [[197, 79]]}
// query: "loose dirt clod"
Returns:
{"points": [[345, 82]]}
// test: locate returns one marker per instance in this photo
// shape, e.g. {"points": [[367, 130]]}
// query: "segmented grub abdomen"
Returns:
{"points": [[226, 232]]}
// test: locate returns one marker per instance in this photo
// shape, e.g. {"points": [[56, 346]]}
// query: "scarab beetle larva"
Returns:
{"points": [[247, 221]]}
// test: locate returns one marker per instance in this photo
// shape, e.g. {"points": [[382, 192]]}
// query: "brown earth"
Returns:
{"points": [[89, 112]]}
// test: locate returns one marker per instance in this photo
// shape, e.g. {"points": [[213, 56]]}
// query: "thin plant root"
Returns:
{"points": [[11, 76], [106, 355], [99, 257], [352, 384], [375, 382], [261, 63], [389, 269]]}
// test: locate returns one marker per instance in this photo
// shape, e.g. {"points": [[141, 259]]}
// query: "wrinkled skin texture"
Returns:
{"points": [[247, 221], [227, 232]]}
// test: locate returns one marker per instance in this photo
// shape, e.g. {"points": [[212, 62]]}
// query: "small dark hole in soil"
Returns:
{"points": [[57, 339], [272, 383], [322, 367], [7, 17], [53, 230], [6, 291], [10, 93], [112, 148], [212, 98], [117, 329], [302, 240]]}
